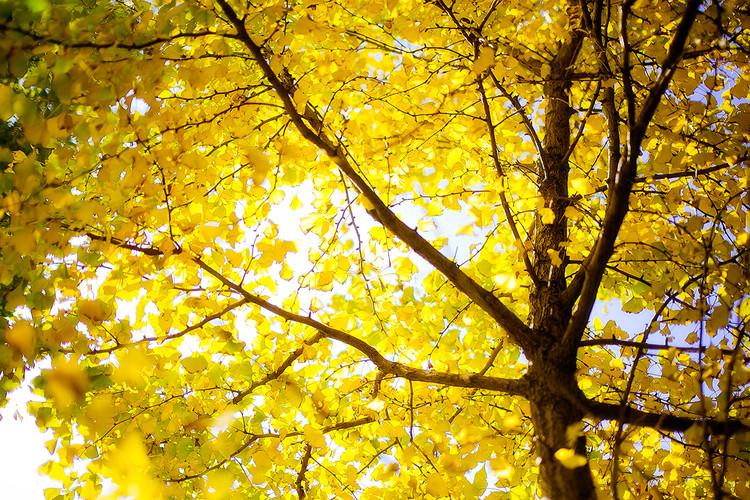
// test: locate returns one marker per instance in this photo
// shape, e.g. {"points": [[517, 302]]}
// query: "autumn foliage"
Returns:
{"points": [[357, 249]]}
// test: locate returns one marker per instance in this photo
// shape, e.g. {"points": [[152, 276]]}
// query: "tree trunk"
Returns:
{"points": [[552, 415], [555, 365]]}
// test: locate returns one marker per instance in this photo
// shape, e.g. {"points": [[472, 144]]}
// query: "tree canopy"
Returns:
{"points": [[351, 249]]}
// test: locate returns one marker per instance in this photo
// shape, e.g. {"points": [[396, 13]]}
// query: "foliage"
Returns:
{"points": [[352, 248]]}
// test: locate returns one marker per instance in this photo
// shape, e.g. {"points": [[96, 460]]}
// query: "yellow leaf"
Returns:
{"points": [[24, 241], [548, 216], [6, 102], [219, 483], [300, 101], [51, 493], [376, 405], [573, 432], [295, 204], [66, 382], [484, 60], [95, 311], [22, 337], [437, 486], [569, 458], [694, 435], [101, 412], [293, 394], [585, 383], [502, 469], [480, 480], [581, 186], [385, 471], [129, 467], [276, 249], [194, 364], [314, 437], [617, 364], [51, 445], [366, 203], [64, 330], [324, 279], [554, 257], [259, 163], [286, 272], [511, 421], [133, 366], [572, 213], [200, 423]]}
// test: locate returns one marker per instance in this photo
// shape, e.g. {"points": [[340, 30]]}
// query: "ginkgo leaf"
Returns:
{"points": [[66, 382], [95, 311], [437, 486], [129, 468], [554, 256], [24, 241], [695, 434], [547, 215], [569, 458], [511, 422], [133, 367], [480, 481], [617, 364], [101, 412], [484, 60], [22, 337], [314, 437], [194, 364]]}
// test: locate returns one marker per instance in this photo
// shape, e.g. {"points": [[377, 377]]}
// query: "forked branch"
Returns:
{"points": [[592, 270], [475, 381], [310, 127]]}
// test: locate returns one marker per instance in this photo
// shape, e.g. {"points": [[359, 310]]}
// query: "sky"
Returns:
{"points": [[23, 450]]}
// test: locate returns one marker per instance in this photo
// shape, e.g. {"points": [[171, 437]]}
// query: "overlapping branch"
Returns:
{"points": [[309, 126], [501, 174], [650, 346], [592, 270], [278, 371], [387, 367]]}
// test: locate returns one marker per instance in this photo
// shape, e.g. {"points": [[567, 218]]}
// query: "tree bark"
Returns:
{"points": [[552, 415], [553, 368]]}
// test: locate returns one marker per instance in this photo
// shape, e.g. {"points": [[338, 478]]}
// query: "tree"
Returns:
{"points": [[352, 249]]}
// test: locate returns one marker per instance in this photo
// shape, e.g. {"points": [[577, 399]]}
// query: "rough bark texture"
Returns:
{"points": [[554, 366], [552, 415]]}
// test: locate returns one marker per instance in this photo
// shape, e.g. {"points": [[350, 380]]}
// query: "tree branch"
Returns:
{"points": [[524, 119], [195, 326], [279, 370], [503, 198], [665, 422], [299, 482], [517, 330], [649, 346], [595, 264], [109, 45], [476, 381], [146, 250]]}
